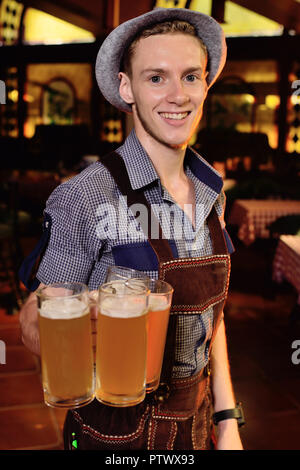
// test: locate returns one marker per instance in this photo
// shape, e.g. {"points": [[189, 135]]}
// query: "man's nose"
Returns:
{"points": [[177, 93]]}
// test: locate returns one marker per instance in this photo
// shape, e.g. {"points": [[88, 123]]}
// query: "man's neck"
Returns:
{"points": [[167, 161]]}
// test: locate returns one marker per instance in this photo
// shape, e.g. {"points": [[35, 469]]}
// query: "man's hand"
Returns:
{"points": [[30, 327], [29, 324], [228, 435]]}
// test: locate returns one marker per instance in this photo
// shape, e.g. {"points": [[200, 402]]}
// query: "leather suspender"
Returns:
{"points": [[117, 168]]}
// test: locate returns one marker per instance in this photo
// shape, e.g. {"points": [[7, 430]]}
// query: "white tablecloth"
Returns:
{"points": [[286, 263], [253, 216]]}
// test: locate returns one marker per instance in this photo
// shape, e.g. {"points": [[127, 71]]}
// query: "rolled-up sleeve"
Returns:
{"points": [[70, 252]]}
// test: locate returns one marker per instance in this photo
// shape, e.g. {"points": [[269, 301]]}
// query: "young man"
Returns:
{"points": [[158, 67]]}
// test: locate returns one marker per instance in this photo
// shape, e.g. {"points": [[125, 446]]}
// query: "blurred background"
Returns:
{"points": [[54, 122]]}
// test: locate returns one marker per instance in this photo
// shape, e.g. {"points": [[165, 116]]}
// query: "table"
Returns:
{"points": [[253, 216], [286, 263]]}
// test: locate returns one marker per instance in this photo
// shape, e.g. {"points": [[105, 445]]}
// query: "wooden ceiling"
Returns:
{"points": [[99, 16]]}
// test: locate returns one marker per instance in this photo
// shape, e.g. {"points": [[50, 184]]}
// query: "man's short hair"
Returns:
{"points": [[166, 27]]}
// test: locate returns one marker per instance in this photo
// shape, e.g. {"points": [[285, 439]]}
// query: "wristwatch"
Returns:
{"points": [[236, 413]]}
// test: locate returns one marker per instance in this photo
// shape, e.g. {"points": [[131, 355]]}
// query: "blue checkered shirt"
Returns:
{"points": [[86, 236]]}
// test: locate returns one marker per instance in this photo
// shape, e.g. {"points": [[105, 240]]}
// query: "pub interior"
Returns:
{"points": [[54, 122]]}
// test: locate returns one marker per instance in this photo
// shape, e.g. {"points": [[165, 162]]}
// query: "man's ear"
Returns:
{"points": [[125, 89]]}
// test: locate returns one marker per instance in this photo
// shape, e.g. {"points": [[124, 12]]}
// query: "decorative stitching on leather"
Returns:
{"points": [[86, 429], [173, 434], [196, 260], [151, 434], [193, 433], [197, 309], [157, 413], [192, 262]]}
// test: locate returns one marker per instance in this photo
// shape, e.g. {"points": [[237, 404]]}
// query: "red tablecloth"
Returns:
{"points": [[253, 216], [286, 263]]}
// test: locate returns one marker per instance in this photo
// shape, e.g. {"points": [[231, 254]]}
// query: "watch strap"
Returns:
{"points": [[233, 413]]}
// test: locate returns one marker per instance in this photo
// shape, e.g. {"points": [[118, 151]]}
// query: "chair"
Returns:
{"points": [[286, 225]]}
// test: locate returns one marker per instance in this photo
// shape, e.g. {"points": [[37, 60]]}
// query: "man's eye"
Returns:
{"points": [[191, 78], [155, 79]]}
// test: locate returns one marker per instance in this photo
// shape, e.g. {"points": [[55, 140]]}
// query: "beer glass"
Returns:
{"points": [[121, 343], [160, 299], [122, 273], [66, 344]]}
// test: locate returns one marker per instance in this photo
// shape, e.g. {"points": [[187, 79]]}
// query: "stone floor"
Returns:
{"points": [[260, 337]]}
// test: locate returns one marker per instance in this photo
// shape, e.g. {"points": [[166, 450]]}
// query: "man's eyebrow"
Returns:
{"points": [[160, 70], [153, 70]]}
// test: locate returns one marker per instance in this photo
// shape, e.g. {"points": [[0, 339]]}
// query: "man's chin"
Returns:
{"points": [[178, 146]]}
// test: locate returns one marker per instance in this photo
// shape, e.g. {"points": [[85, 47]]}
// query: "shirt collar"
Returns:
{"points": [[203, 170], [141, 171], [139, 167]]}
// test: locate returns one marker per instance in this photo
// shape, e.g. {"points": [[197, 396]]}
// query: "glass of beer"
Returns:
{"points": [[66, 344], [121, 343], [121, 273], [160, 300]]}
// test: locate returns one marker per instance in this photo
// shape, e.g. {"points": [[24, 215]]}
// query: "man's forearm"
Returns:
{"points": [[221, 380], [227, 432]]}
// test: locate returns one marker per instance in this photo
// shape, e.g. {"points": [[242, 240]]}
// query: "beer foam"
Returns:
{"points": [[123, 308], [62, 308], [157, 302]]}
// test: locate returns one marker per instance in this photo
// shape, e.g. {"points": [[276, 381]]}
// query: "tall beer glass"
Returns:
{"points": [[121, 273], [121, 344], [66, 344], [160, 300]]}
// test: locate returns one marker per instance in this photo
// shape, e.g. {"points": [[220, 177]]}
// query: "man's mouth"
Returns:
{"points": [[176, 116]]}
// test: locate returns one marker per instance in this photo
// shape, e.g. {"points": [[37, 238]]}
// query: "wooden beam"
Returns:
{"points": [[116, 17], [218, 10], [46, 54], [263, 48], [285, 12], [112, 15]]}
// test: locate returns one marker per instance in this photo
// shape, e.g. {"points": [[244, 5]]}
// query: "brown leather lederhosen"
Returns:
{"points": [[178, 415]]}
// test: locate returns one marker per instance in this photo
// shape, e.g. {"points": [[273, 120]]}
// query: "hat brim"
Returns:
{"points": [[111, 52]]}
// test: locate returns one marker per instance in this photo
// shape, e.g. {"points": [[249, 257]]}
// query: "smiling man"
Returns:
{"points": [[159, 67], [166, 95]]}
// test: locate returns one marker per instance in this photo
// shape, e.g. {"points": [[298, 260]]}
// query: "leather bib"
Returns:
{"points": [[178, 415]]}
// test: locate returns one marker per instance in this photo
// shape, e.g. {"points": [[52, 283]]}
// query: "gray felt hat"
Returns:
{"points": [[111, 52]]}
